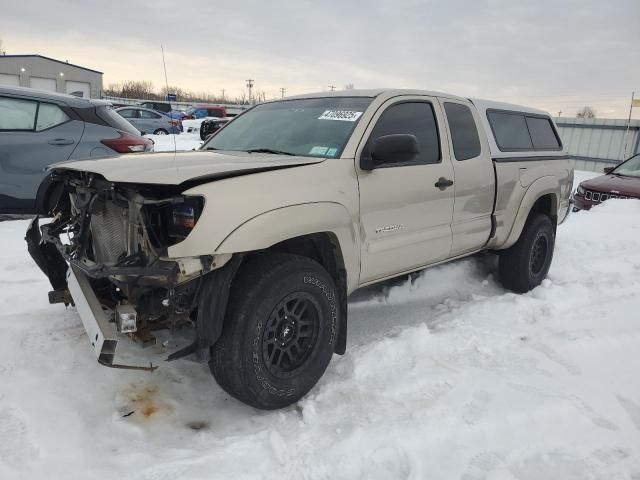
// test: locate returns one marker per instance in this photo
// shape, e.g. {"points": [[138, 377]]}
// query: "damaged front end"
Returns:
{"points": [[105, 250]]}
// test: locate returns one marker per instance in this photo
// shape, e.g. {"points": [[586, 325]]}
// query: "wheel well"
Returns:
{"points": [[323, 248], [546, 205]]}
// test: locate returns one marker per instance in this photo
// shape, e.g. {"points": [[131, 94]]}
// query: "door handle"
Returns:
{"points": [[60, 141], [443, 183]]}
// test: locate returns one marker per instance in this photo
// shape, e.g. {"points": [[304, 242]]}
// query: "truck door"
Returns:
{"points": [[33, 135], [406, 208], [475, 178]]}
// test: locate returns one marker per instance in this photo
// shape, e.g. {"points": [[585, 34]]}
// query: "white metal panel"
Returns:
{"points": [[79, 89], [8, 79], [48, 84]]}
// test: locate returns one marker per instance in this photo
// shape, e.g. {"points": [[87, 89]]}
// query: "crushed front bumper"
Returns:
{"points": [[96, 321], [102, 334]]}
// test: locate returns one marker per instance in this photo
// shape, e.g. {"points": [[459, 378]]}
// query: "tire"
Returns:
{"points": [[161, 131], [523, 266], [279, 333]]}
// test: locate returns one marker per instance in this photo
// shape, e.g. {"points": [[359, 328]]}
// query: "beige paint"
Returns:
{"points": [[387, 221]]}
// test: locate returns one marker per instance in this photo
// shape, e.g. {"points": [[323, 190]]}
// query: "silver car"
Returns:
{"points": [[39, 128], [149, 121]]}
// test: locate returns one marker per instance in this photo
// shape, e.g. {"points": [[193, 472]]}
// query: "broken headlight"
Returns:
{"points": [[171, 223]]}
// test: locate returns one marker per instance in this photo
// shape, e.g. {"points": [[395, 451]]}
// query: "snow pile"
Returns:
{"points": [[446, 376], [169, 143]]}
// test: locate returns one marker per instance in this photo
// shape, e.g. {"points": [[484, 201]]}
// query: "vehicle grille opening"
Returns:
{"points": [[108, 232]]}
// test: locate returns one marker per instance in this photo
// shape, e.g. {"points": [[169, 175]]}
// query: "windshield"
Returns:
{"points": [[310, 127], [630, 168]]}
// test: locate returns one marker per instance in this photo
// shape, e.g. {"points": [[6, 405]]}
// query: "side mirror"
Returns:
{"points": [[608, 169], [397, 148]]}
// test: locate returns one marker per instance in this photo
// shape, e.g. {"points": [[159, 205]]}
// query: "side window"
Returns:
{"points": [[510, 130], [17, 114], [127, 113], [215, 112], [542, 134], [201, 113], [145, 114], [414, 118], [464, 132], [50, 115]]}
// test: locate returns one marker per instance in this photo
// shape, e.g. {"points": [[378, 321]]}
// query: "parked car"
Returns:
{"points": [[259, 237], [622, 181], [164, 107], [205, 111], [149, 121], [40, 128], [211, 126]]}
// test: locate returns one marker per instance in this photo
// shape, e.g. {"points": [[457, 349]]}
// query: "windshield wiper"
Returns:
{"points": [[269, 150]]}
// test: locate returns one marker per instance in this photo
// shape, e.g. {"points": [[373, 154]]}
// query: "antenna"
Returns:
{"points": [[166, 82]]}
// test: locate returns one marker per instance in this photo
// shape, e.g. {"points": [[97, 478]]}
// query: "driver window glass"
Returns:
{"points": [[413, 118]]}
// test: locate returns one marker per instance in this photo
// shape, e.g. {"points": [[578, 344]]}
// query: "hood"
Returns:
{"points": [[176, 168], [629, 186]]}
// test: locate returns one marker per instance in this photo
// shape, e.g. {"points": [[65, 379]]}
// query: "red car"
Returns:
{"points": [[622, 181], [204, 110]]}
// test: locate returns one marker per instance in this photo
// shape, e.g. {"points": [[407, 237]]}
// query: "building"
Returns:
{"points": [[44, 73], [595, 143]]}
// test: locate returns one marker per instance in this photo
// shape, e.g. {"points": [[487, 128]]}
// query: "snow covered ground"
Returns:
{"points": [[446, 376]]}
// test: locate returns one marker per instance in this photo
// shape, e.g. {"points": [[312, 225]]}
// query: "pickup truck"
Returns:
{"points": [[258, 238]]}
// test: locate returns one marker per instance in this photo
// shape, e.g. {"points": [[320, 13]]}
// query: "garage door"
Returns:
{"points": [[6, 79], [79, 89], [48, 84]]}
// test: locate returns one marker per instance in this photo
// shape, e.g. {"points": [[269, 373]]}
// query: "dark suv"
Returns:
{"points": [[40, 128], [622, 181]]}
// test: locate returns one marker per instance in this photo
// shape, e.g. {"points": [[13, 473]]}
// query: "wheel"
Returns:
{"points": [[524, 265], [279, 332], [161, 131]]}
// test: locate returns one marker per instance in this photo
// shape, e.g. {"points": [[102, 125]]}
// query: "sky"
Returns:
{"points": [[555, 55]]}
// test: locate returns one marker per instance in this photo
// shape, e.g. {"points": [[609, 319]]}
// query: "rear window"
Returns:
{"points": [[49, 116], [542, 134], [464, 133], [518, 131], [510, 130], [114, 120]]}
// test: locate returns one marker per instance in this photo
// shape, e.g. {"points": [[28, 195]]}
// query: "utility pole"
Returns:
{"points": [[332, 87], [282, 90], [222, 95], [250, 86], [559, 113]]}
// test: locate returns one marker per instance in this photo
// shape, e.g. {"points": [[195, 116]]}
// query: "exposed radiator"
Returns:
{"points": [[109, 232]]}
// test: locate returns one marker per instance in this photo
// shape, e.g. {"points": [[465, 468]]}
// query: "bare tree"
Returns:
{"points": [[349, 86], [2, 50], [586, 112], [143, 89]]}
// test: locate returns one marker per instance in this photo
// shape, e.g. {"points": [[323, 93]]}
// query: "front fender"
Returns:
{"points": [[275, 226]]}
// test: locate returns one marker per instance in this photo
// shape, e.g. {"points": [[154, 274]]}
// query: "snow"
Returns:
{"points": [[446, 376], [169, 143]]}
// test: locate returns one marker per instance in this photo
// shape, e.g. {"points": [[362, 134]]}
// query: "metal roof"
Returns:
{"points": [[51, 60]]}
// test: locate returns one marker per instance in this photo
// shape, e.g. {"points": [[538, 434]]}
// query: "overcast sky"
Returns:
{"points": [[556, 55]]}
